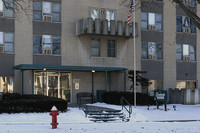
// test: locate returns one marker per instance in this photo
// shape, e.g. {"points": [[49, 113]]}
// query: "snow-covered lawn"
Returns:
{"points": [[74, 121]]}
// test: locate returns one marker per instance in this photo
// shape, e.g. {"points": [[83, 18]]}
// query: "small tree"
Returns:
{"points": [[143, 82]]}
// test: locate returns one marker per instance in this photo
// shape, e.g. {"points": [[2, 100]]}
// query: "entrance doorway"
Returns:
{"points": [[56, 84]]}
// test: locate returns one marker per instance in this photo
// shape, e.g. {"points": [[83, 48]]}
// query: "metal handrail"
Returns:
{"points": [[123, 106]]}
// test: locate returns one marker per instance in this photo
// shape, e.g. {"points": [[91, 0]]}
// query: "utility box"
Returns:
{"points": [[100, 95]]}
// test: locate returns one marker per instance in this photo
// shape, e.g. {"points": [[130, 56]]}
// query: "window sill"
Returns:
{"points": [[100, 57], [7, 18], [152, 30], [189, 61], [47, 54], [152, 60], [46, 21], [7, 53], [186, 33]]}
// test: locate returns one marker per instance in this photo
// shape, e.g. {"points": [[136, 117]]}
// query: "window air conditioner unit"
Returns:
{"points": [[152, 57], [186, 30], [186, 58], [1, 49], [47, 51], [1, 14], [152, 27], [47, 18]]}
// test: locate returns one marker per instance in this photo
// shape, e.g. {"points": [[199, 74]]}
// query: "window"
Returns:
{"points": [[46, 11], [7, 12], [186, 85], [46, 44], [152, 50], [189, 2], [184, 24], [151, 21], [103, 14], [95, 47], [6, 84], [185, 52], [111, 48], [6, 42], [155, 84]]}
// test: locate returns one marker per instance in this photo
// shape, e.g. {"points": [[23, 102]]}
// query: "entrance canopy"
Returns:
{"points": [[71, 68], [92, 69]]}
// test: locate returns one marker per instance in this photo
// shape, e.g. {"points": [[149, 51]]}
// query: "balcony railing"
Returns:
{"points": [[88, 26]]}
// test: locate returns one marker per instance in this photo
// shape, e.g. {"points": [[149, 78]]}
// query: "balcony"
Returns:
{"points": [[88, 26]]}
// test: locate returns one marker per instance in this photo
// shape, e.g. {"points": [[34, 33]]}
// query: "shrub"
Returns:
{"points": [[11, 96], [141, 99], [31, 103]]}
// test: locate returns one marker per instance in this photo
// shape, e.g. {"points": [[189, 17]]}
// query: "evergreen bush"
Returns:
{"points": [[141, 99], [15, 103]]}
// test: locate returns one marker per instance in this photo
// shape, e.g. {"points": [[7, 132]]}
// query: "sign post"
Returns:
{"points": [[160, 96]]}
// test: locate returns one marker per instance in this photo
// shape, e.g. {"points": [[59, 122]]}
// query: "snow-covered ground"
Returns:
{"points": [[74, 121]]}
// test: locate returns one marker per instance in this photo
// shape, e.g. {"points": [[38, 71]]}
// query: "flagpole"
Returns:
{"points": [[134, 58]]}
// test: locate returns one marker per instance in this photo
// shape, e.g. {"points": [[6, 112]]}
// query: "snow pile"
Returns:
{"points": [[74, 121]]}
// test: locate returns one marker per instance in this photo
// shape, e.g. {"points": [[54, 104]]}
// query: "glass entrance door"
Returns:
{"points": [[56, 84], [52, 87]]}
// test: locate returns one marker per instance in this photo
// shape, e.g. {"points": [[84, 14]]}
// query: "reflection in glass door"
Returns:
{"points": [[56, 84], [52, 89], [65, 86]]}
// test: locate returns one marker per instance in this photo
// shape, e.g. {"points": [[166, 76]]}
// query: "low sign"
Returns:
{"points": [[160, 95]]}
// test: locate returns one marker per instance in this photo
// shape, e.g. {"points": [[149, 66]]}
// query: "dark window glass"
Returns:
{"points": [[37, 39], [56, 44], [37, 48], [56, 17], [185, 22], [158, 22], [178, 48], [8, 12], [111, 48], [192, 27], [37, 44], [179, 24], [144, 50], [55, 7], [193, 2], [56, 12], [159, 51], [37, 6], [178, 56], [37, 15], [144, 25], [95, 47], [8, 42], [37, 10], [144, 18]]}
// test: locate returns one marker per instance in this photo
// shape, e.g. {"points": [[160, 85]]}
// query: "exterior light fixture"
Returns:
{"points": [[44, 69], [93, 71]]}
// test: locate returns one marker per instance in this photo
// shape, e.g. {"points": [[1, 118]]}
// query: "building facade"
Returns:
{"points": [[62, 47]]}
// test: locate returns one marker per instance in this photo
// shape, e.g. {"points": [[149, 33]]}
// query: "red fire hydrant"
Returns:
{"points": [[54, 113]]}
